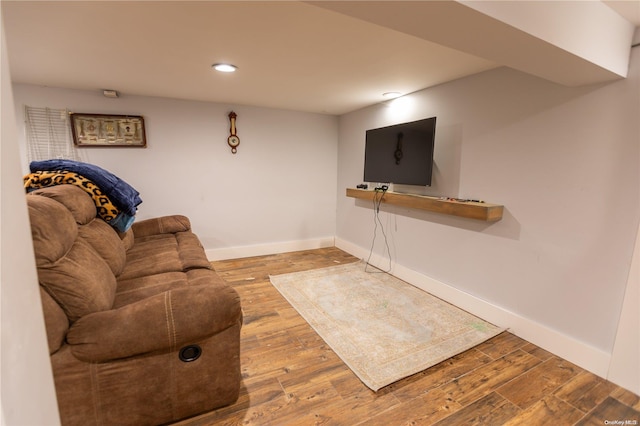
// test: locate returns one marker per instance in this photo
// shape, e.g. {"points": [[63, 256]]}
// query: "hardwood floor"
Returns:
{"points": [[291, 377]]}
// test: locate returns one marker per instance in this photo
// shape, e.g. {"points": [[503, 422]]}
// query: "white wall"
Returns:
{"points": [[565, 162], [625, 358], [27, 390], [276, 194]]}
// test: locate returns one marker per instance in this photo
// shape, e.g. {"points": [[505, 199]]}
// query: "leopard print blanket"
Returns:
{"points": [[107, 211]]}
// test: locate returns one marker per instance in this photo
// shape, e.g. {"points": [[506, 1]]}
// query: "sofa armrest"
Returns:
{"points": [[161, 225], [165, 321]]}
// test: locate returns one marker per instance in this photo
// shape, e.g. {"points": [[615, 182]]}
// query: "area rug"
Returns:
{"points": [[381, 327]]}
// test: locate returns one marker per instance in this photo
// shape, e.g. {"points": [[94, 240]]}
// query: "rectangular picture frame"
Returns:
{"points": [[108, 130]]}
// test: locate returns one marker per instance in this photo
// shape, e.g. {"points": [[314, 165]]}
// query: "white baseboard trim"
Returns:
{"points": [[265, 249], [567, 347]]}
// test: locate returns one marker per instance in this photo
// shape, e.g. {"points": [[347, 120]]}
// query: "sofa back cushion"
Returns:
{"points": [[69, 268], [91, 228], [106, 242], [77, 201]]}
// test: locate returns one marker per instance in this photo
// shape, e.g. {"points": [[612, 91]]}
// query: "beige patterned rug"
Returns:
{"points": [[383, 328]]}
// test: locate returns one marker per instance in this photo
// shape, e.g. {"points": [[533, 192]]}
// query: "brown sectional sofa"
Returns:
{"points": [[141, 330]]}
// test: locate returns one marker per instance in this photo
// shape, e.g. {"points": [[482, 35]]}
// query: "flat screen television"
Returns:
{"points": [[402, 153]]}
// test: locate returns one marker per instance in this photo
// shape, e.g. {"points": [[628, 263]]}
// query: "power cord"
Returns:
{"points": [[376, 219]]}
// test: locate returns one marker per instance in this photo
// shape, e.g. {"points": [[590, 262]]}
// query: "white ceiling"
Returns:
{"points": [[326, 57], [628, 9]]}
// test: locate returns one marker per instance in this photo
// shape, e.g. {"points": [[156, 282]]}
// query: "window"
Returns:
{"points": [[49, 135]]}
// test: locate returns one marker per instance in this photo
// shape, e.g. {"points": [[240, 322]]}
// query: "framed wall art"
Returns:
{"points": [[103, 130]]}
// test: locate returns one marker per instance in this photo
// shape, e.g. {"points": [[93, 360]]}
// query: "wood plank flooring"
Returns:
{"points": [[291, 377]]}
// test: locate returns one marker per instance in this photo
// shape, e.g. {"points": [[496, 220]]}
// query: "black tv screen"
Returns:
{"points": [[402, 153]]}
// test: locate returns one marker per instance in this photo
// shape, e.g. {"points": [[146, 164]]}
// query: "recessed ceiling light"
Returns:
{"points": [[391, 95], [224, 67]]}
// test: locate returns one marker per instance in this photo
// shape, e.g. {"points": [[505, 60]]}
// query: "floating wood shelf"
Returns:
{"points": [[469, 209]]}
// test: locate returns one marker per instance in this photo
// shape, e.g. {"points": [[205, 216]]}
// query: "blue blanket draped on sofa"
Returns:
{"points": [[123, 195]]}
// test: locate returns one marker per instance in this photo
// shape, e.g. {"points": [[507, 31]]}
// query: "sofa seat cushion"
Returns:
{"points": [[136, 289], [160, 253]]}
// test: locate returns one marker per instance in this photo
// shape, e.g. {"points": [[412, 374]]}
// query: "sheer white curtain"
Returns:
{"points": [[49, 135]]}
